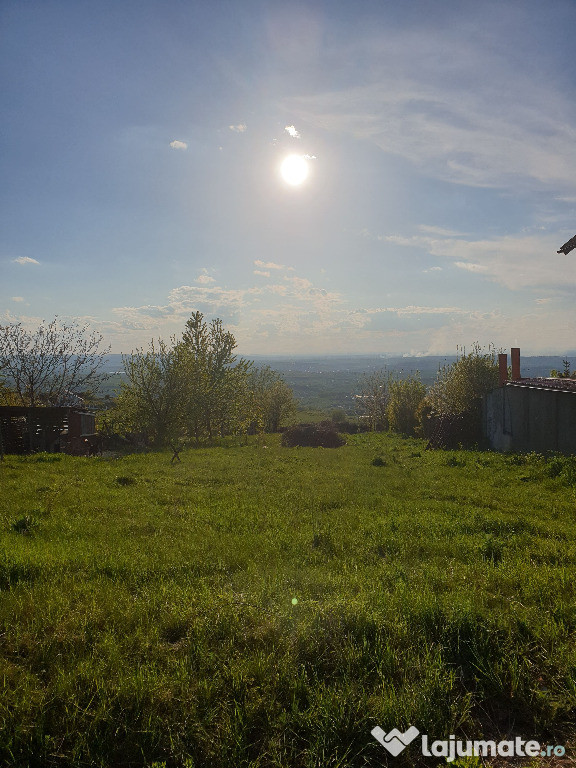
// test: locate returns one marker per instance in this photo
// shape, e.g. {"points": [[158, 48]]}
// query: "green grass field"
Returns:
{"points": [[261, 606]]}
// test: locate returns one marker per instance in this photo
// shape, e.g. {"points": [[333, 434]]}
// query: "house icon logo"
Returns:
{"points": [[395, 741]]}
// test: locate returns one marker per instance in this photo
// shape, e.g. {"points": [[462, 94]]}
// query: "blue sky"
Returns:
{"points": [[141, 150]]}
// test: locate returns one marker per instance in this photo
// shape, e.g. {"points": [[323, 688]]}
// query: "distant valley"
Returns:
{"points": [[330, 381]]}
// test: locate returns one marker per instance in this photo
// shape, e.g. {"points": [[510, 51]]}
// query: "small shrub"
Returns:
{"points": [[378, 462], [555, 467], [452, 461], [491, 550], [24, 525], [322, 435], [125, 480], [517, 459]]}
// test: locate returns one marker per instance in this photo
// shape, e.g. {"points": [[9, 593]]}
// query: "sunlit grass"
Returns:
{"points": [[264, 606]]}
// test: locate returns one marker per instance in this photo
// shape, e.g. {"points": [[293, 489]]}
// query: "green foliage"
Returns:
{"points": [[24, 524], [196, 389], [215, 401], [271, 399], [460, 386], [388, 401], [565, 373], [372, 399], [152, 401], [321, 435], [404, 399]]}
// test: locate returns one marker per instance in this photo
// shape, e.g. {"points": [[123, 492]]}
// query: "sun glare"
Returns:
{"points": [[294, 169]]}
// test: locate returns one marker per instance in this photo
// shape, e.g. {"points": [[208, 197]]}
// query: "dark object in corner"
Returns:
{"points": [[569, 246]]}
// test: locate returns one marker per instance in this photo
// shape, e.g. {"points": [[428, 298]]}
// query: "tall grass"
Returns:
{"points": [[267, 607]]}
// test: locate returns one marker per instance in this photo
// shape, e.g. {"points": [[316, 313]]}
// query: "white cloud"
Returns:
{"points": [[515, 261], [25, 260], [440, 231], [178, 144], [470, 267], [415, 310], [433, 269], [17, 298], [268, 264], [262, 272], [205, 279], [240, 128], [299, 282], [291, 130]]}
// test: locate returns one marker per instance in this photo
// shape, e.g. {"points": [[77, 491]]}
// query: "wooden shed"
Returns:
{"points": [[52, 429]]}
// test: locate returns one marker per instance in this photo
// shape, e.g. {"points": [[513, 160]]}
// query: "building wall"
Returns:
{"points": [[528, 419]]}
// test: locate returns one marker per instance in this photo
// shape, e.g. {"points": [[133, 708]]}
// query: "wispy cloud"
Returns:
{"points": [[176, 144], [25, 260], [470, 267], [262, 272], [459, 111], [268, 264], [240, 128], [515, 261], [17, 298], [440, 231]]}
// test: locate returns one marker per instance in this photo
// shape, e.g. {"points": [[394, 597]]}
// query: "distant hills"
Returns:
{"points": [[428, 366], [329, 381]]}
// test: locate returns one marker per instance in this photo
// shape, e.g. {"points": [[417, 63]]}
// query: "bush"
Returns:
{"points": [[349, 427], [322, 435], [460, 387], [404, 400]]}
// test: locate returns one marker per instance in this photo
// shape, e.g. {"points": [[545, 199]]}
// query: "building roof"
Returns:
{"points": [[559, 385], [569, 246]]}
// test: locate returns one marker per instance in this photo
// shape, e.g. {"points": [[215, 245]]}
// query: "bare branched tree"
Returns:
{"points": [[51, 365]]}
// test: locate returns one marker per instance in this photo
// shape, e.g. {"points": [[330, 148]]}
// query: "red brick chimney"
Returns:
{"points": [[502, 369], [515, 354]]}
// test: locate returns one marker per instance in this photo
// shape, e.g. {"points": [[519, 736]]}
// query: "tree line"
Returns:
{"points": [[193, 388], [402, 404]]}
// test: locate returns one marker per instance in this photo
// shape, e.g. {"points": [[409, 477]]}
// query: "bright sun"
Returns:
{"points": [[294, 169]]}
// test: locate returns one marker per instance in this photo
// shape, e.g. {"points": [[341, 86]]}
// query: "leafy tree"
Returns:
{"points": [[404, 398], [459, 387], [49, 365], [153, 399], [195, 388], [372, 400], [272, 399], [216, 381]]}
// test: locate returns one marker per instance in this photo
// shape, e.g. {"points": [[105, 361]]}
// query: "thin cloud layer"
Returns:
{"points": [[25, 260], [459, 110], [176, 144]]}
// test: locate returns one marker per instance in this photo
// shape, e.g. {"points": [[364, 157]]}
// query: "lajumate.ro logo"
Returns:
{"points": [[395, 742]]}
